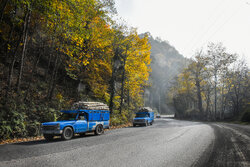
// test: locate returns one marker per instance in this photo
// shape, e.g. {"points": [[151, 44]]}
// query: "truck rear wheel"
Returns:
{"points": [[48, 137], [99, 130], [67, 133]]}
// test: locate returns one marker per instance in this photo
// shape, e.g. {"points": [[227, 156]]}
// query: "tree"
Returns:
{"points": [[136, 66], [238, 81], [197, 69], [218, 61]]}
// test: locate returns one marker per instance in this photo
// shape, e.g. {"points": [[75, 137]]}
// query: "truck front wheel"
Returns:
{"points": [[67, 133], [48, 137], [99, 130]]}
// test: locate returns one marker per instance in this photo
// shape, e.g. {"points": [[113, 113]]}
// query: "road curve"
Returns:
{"points": [[167, 143], [231, 146]]}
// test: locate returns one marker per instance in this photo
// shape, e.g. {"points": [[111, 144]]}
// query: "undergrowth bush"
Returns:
{"points": [[119, 119], [246, 116], [12, 121]]}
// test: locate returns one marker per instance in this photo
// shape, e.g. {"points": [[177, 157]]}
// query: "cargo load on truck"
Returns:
{"points": [[83, 105], [145, 109]]}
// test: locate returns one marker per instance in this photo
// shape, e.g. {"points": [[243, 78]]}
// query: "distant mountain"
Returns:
{"points": [[166, 64]]}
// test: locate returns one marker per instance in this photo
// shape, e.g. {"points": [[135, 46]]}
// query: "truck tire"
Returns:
{"points": [[67, 133], [48, 137], [134, 125], [99, 130], [151, 123]]}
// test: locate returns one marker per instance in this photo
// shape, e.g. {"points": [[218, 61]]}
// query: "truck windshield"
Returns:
{"points": [[141, 115], [67, 117]]}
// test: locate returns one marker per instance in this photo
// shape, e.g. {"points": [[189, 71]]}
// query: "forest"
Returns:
{"points": [[56, 52], [214, 86]]}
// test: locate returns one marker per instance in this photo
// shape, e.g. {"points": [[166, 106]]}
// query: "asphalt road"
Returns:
{"points": [[165, 144]]}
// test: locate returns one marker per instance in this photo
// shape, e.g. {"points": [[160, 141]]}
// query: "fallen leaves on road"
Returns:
{"points": [[15, 140], [19, 140], [119, 126]]}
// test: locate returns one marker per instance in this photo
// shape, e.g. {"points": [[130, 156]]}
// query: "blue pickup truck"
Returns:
{"points": [[145, 117], [76, 122]]}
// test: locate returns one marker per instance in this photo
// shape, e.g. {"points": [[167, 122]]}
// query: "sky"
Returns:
{"points": [[189, 25]]}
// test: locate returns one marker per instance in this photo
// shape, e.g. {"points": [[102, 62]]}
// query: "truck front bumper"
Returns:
{"points": [[139, 122], [53, 132]]}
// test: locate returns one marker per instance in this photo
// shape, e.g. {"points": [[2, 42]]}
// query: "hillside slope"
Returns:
{"points": [[166, 64]]}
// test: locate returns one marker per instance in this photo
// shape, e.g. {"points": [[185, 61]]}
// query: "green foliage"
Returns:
{"points": [[119, 119], [48, 47], [214, 86], [19, 119], [33, 128], [12, 121]]}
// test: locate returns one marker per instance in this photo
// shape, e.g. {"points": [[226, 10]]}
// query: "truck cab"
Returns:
{"points": [[76, 122], [145, 117]]}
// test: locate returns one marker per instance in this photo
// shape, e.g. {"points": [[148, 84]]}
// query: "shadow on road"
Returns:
{"points": [[57, 139], [137, 126]]}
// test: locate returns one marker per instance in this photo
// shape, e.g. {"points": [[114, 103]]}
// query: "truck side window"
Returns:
{"points": [[81, 117]]}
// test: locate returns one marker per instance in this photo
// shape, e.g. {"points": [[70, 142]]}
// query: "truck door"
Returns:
{"points": [[81, 123]]}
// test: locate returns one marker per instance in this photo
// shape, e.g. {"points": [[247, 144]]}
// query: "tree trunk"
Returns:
{"points": [[215, 95], [112, 82], [54, 84], [47, 71], [50, 56], [11, 67], [128, 100], [208, 104], [53, 79], [2, 9], [25, 36], [33, 71], [8, 42], [199, 96], [223, 101], [122, 88], [236, 101], [112, 91]]}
